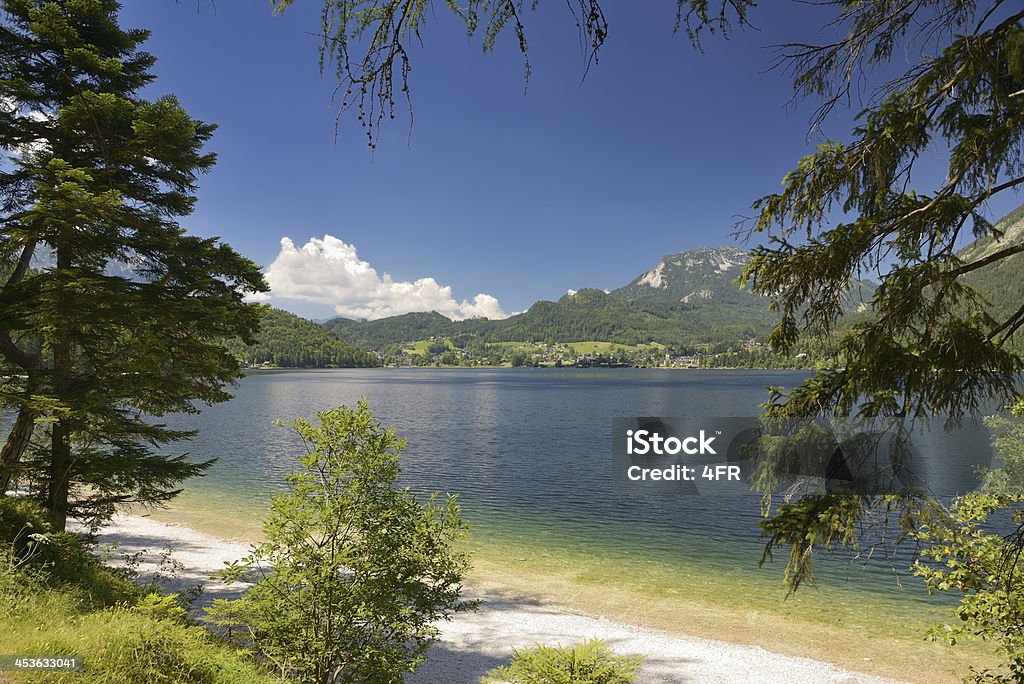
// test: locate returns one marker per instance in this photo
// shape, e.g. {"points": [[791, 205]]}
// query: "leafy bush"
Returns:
{"points": [[964, 552], [354, 572], [61, 558], [588, 663], [70, 563], [162, 607], [19, 519]]}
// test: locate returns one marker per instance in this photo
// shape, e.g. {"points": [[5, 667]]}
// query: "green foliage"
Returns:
{"points": [[964, 553], [287, 340], [520, 359], [1008, 479], [20, 519], [162, 607], [126, 319], [588, 663], [824, 521], [965, 556], [393, 329], [58, 599], [353, 572], [437, 347], [68, 563], [934, 345], [59, 559], [130, 646], [999, 284], [118, 644]]}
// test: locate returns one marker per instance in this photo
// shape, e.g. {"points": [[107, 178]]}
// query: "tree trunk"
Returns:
{"points": [[24, 425], [15, 446], [60, 450], [60, 467], [60, 442]]}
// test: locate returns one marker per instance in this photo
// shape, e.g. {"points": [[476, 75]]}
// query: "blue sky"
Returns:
{"points": [[520, 196]]}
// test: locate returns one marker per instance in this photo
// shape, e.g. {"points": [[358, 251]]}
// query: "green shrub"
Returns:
{"points": [[123, 645], [61, 558], [20, 518], [162, 607], [68, 562], [355, 572], [964, 553], [130, 646], [588, 663]]}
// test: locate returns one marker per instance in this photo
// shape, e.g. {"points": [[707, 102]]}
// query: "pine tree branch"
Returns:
{"points": [[16, 355], [1009, 326], [981, 263]]}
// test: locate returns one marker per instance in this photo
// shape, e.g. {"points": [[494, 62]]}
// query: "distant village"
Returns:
{"points": [[441, 352]]}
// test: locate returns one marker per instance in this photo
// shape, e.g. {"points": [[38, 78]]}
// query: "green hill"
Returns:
{"points": [[594, 315], [1002, 283], [410, 327], [287, 340]]}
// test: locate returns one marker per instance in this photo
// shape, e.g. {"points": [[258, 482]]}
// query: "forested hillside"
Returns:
{"points": [[1002, 283], [287, 340]]}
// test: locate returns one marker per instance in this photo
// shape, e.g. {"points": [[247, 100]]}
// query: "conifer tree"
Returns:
{"points": [[110, 315]]}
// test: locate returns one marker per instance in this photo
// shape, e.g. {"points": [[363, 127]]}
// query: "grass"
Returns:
{"points": [[118, 643], [58, 600], [420, 347], [612, 347]]}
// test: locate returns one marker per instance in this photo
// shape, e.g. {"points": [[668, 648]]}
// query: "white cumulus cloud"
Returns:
{"points": [[329, 271]]}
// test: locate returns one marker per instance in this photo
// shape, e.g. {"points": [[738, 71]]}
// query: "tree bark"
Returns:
{"points": [[58, 481], [24, 425], [18, 438], [60, 467]]}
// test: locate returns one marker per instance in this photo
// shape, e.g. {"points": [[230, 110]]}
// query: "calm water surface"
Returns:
{"points": [[527, 450]]}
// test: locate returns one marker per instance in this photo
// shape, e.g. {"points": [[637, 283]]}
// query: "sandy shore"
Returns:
{"points": [[474, 643]]}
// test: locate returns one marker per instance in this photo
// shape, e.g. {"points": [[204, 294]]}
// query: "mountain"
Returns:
{"points": [[1007, 232], [699, 287], [287, 340], [594, 315], [687, 299], [693, 277]]}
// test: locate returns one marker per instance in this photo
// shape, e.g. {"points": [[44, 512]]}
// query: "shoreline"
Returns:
{"points": [[271, 369], [518, 614]]}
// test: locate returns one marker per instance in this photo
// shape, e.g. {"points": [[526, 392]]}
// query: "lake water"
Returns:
{"points": [[529, 453]]}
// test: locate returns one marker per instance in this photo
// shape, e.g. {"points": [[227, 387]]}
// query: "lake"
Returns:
{"points": [[529, 453]]}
